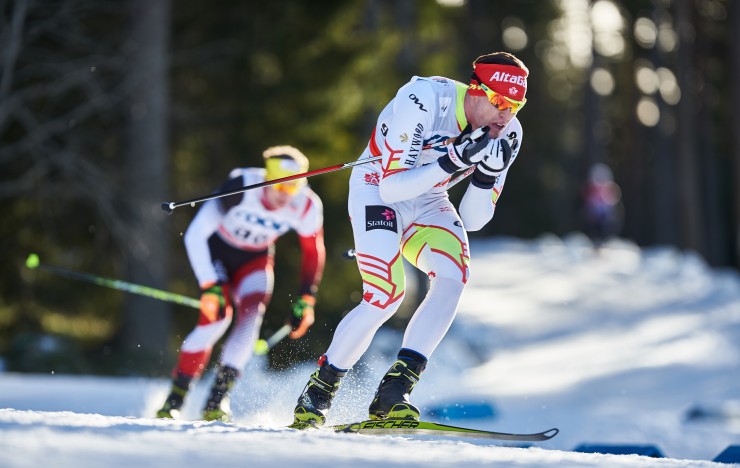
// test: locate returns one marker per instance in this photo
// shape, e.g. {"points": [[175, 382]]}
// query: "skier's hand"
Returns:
{"points": [[496, 159], [302, 317], [468, 148], [214, 304]]}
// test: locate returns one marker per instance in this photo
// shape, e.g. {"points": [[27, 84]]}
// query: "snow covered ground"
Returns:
{"points": [[616, 347]]}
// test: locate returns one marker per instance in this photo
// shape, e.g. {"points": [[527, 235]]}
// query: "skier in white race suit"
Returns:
{"points": [[231, 248], [434, 130]]}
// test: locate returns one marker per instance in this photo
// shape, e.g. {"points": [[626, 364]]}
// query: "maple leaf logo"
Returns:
{"points": [[513, 91], [372, 178]]}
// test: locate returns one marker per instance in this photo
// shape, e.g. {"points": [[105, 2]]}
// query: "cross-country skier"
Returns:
{"points": [[432, 129], [230, 245]]}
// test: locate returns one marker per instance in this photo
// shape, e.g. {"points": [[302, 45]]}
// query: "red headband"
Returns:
{"points": [[507, 80]]}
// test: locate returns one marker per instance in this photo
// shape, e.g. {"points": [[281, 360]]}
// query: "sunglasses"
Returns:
{"points": [[291, 188], [502, 102]]}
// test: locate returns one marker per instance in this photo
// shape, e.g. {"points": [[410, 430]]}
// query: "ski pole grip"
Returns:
{"points": [[479, 132]]}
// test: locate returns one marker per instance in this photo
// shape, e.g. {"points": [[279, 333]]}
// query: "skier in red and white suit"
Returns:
{"points": [[230, 244], [434, 129]]}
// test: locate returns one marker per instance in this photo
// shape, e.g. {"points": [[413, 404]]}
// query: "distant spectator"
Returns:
{"points": [[602, 209]]}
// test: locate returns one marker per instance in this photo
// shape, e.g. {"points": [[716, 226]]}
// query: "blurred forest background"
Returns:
{"points": [[110, 107]]}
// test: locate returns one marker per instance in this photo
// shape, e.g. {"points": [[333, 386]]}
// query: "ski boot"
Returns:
{"points": [[391, 400], [176, 398], [315, 401], [217, 406]]}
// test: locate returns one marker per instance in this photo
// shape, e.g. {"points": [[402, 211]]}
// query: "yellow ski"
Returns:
{"points": [[405, 426]]}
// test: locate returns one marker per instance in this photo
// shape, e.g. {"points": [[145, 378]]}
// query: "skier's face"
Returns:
{"points": [[481, 112], [277, 198]]}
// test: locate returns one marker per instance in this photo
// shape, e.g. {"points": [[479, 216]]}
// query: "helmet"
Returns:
{"points": [[284, 161]]}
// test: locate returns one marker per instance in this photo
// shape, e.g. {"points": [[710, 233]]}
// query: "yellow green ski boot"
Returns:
{"points": [[315, 401], [217, 406], [176, 398], [391, 400]]}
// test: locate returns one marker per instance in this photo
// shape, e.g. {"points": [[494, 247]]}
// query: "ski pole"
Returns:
{"points": [[460, 177], [169, 207], [263, 346], [33, 263]]}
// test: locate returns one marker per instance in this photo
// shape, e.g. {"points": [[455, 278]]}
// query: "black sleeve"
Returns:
{"points": [[226, 203]]}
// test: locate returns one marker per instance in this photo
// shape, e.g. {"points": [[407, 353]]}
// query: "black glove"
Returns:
{"points": [[467, 149], [496, 160]]}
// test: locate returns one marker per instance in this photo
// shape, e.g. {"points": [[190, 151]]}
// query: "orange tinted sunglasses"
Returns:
{"points": [[502, 102], [291, 188]]}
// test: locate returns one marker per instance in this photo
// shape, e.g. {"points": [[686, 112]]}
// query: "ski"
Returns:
{"points": [[410, 427]]}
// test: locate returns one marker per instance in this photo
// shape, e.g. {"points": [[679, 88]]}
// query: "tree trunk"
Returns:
{"points": [[689, 195], [146, 327], [734, 40], [664, 179], [714, 206]]}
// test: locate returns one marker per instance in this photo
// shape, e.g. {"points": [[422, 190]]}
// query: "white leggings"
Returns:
{"points": [[428, 232], [424, 332]]}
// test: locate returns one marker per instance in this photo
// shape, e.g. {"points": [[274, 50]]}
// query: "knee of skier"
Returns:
{"points": [[203, 337], [384, 286], [252, 305], [387, 302], [450, 286]]}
